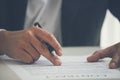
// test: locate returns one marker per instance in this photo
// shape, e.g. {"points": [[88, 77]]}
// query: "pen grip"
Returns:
{"points": [[50, 48]]}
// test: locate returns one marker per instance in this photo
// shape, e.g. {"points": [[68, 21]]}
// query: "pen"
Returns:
{"points": [[49, 47]]}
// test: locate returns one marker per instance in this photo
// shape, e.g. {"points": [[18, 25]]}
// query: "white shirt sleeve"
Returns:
{"points": [[47, 13], [2, 30]]}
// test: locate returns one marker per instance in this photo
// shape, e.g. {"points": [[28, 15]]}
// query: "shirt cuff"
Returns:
{"points": [[2, 30]]}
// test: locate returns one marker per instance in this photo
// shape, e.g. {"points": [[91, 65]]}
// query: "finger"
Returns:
{"points": [[115, 62], [23, 56], [28, 45], [94, 57], [48, 38], [43, 50], [53, 58], [31, 50], [101, 54]]}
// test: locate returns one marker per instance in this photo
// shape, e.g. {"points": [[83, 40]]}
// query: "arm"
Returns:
{"points": [[27, 46]]}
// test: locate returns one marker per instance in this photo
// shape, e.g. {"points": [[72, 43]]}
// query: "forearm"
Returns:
{"points": [[1, 40]]}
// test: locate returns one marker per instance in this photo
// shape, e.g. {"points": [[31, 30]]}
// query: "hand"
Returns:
{"points": [[112, 52], [27, 45]]}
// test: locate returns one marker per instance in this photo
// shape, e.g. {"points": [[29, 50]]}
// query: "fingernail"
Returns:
{"points": [[113, 65], [58, 62]]}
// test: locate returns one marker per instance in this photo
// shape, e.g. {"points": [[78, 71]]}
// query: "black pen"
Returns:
{"points": [[49, 47]]}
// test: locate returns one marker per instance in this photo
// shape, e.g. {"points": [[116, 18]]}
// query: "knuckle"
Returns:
{"points": [[28, 60], [34, 29], [36, 58], [96, 52], [50, 36], [28, 34]]}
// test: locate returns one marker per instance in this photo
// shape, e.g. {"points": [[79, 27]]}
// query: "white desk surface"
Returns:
{"points": [[7, 74]]}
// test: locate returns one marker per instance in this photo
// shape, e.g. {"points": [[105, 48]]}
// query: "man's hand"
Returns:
{"points": [[28, 45], [112, 52]]}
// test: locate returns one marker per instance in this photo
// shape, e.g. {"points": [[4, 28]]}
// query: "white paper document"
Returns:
{"points": [[73, 68]]}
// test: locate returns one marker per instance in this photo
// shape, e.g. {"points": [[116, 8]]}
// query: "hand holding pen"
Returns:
{"points": [[49, 47], [29, 44]]}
